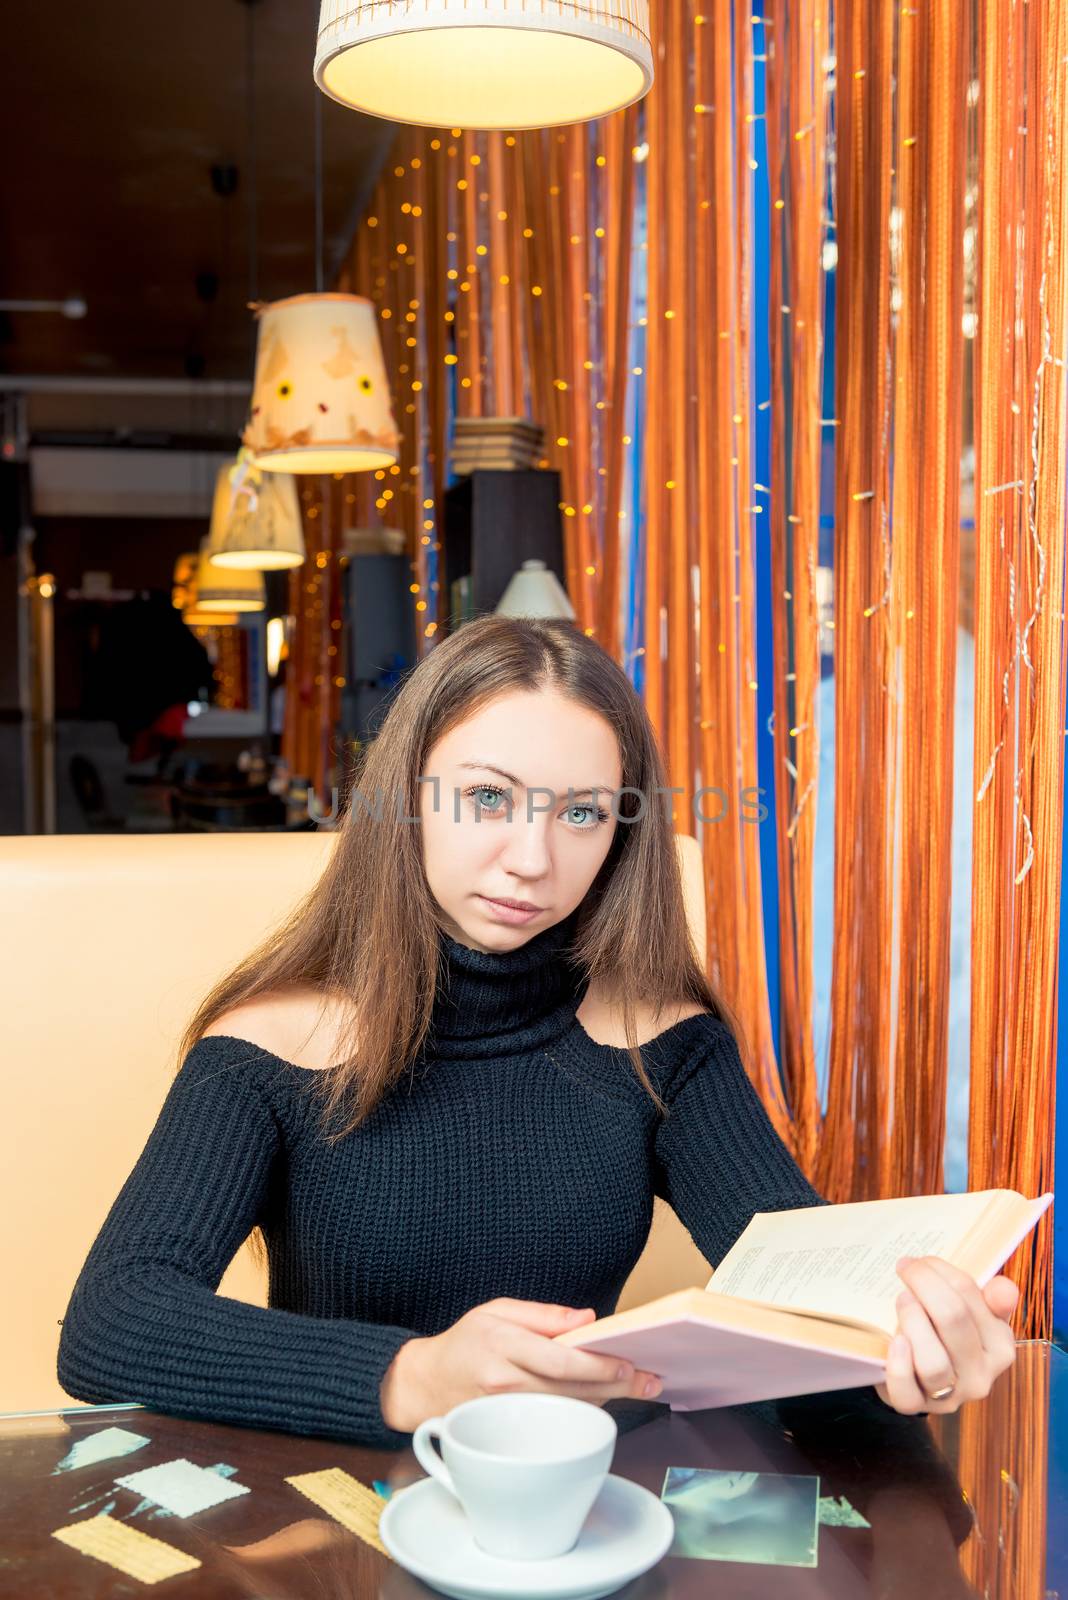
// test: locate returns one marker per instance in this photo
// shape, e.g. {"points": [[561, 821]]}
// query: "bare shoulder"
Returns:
{"points": [[298, 1025], [602, 1018]]}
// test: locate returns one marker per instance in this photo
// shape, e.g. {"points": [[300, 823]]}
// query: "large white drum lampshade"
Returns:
{"points": [[320, 397], [485, 63]]}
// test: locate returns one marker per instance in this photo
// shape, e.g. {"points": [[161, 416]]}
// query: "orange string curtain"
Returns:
{"points": [[1020, 432], [929, 162], [502, 266], [901, 185], [798, 70], [857, 1112]]}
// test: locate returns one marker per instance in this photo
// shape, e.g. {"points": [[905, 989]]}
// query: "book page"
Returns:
{"points": [[839, 1260]]}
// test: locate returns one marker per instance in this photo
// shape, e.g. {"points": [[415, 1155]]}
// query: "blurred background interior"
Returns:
{"points": [[191, 176]]}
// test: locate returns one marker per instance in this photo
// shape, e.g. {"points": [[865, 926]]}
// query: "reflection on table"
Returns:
{"points": [[970, 1505]]}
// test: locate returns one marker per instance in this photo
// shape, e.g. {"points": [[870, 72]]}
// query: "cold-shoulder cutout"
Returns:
{"points": [[291, 1026], [603, 1022], [261, 1050]]}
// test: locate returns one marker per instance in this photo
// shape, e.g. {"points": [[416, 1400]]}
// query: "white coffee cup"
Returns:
{"points": [[526, 1468]]}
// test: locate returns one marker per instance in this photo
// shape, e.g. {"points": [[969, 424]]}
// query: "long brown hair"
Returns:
{"points": [[367, 932]]}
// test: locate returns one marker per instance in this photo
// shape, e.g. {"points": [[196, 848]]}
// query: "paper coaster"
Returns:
{"points": [[103, 1445], [346, 1499], [182, 1487], [131, 1551]]}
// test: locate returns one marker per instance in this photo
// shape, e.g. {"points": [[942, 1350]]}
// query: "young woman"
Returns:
{"points": [[448, 1119]]}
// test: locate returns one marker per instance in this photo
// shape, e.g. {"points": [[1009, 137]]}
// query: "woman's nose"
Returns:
{"points": [[527, 845]]}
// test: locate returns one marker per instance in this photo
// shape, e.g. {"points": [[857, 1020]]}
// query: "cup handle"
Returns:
{"points": [[428, 1457]]}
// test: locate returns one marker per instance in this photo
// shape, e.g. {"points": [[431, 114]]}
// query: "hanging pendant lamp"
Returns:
{"points": [[227, 589], [193, 617], [320, 397], [183, 582], [534, 591], [255, 520], [485, 63], [184, 595]]}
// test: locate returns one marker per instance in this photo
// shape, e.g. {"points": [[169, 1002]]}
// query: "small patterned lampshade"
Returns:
{"points": [[184, 595], [183, 589], [489, 64], [320, 398], [257, 524], [227, 589], [195, 618]]}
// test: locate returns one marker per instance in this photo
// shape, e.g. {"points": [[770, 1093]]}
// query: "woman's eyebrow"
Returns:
{"points": [[487, 766]]}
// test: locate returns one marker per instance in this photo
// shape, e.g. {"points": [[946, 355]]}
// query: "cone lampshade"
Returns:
{"points": [[184, 595], [534, 591], [320, 398], [183, 584], [484, 63], [193, 617], [227, 589], [258, 526]]}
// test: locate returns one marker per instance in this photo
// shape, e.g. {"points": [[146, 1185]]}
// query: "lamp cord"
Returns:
{"points": [[250, 119], [318, 183]]}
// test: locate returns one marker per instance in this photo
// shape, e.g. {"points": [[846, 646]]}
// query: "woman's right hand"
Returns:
{"points": [[503, 1346]]}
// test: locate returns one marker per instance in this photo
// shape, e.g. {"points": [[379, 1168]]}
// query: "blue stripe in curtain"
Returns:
{"points": [[633, 630], [761, 421], [1060, 1170]]}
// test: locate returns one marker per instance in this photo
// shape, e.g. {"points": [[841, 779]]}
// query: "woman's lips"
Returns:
{"points": [[508, 913]]}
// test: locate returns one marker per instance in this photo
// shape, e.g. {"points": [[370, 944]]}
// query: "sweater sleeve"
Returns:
{"points": [[717, 1158], [144, 1322]]}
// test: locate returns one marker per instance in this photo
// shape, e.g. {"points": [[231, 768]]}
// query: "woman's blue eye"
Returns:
{"points": [[487, 789], [495, 811], [583, 808]]}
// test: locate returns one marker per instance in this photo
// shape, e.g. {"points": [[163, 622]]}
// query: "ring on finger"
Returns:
{"points": [[944, 1393]]}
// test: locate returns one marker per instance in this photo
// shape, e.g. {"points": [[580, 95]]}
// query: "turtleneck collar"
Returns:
{"points": [[501, 1003]]}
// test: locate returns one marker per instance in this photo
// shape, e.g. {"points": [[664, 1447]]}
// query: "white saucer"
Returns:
{"points": [[627, 1531]]}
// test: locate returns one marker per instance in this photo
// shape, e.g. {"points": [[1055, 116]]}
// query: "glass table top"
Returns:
{"points": [[829, 1495]]}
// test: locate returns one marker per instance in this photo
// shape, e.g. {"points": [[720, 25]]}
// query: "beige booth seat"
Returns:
{"points": [[108, 946]]}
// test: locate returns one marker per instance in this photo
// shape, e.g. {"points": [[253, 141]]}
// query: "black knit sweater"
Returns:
{"points": [[515, 1157]]}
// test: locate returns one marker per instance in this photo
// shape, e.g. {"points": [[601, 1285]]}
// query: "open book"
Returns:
{"points": [[805, 1300]]}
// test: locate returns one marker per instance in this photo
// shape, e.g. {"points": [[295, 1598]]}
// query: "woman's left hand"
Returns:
{"points": [[951, 1335]]}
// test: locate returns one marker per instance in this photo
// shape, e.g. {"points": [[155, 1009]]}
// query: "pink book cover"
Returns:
{"points": [[707, 1363], [704, 1365]]}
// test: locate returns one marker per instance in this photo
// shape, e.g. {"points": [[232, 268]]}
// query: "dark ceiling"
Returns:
{"points": [[112, 118]]}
